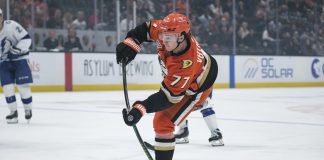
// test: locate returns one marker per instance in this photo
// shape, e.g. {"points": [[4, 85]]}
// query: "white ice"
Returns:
{"points": [[257, 124]]}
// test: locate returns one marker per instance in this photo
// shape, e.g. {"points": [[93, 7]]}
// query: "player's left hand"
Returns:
{"points": [[14, 50], [12, 56], [127, 50], [13, 53], [134, 115]]}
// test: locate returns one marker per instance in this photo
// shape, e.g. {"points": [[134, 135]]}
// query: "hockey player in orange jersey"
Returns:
{"points": [[189, 73]]}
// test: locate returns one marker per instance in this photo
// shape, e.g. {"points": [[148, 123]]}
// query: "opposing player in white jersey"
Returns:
{"points": [[209, 115], [14, 67]]}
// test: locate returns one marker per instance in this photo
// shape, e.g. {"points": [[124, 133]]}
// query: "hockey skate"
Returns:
{"points": [[12, 118], [28, 115], [216, 138], [182, 135]]}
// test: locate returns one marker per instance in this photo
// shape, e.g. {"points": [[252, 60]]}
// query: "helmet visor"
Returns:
{"points": [[168, 37]]}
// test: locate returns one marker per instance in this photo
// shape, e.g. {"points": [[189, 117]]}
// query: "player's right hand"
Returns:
{"points": [[134, 115], [127, 50], [14, 53]]}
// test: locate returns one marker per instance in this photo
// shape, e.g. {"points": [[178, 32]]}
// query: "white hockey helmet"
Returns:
{"points": [[0, 11]]}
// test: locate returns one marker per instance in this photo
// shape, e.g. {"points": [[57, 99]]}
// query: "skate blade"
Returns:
{"points": [[28, 121], [217, 143], [182, 140], [12, 121]]}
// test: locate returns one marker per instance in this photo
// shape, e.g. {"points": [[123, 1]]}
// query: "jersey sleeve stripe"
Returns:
{"points": [[202, 77], [26, 37], [171, 97], [190, 92], [185, 109]]}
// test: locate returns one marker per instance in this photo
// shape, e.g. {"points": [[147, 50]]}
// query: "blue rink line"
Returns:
{"points": [[225, 119]]}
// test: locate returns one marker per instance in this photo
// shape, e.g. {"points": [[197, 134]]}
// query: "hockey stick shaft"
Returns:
{"points": [[128, 107]]}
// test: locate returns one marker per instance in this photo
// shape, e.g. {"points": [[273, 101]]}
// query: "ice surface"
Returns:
{"points": [[257, 124]]}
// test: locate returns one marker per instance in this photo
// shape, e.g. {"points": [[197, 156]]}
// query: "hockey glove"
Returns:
{"points": [[127, 50], [134, 115], [14, 53]]}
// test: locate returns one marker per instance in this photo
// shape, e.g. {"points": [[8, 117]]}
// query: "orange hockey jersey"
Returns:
{"points": [[184, 73]]}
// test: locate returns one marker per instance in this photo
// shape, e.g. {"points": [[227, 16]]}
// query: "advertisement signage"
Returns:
{"points": [[47, 68], [96, 68], [278, 69]]}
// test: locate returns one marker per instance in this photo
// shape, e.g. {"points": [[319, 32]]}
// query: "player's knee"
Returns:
{"points": [[163, 128], [207, 111], [25, 93], [169, 135], [9, 90], [162, 123]]}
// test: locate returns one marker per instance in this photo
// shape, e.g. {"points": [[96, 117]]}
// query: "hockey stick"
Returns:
{"points": [[149, 146], [128, 107]]}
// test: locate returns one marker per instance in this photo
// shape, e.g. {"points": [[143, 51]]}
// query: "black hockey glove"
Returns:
{"points": [[134, 115], [127, 50]]}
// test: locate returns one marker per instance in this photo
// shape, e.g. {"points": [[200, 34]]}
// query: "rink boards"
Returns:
{"points": [[99, 71], [278, 71]]}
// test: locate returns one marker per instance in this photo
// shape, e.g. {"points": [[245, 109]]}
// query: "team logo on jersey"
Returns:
{"points": [[186, 63], [5, 45]]}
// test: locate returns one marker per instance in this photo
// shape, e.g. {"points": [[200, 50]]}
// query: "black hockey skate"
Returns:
{"points": [[12, 118], [28, 115], [182, 135], [216, 138]]}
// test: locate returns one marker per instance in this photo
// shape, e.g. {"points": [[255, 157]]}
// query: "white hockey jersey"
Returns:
{"points": [[14, 37]]}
